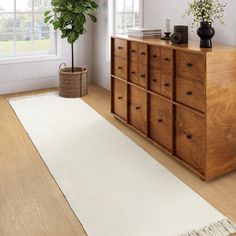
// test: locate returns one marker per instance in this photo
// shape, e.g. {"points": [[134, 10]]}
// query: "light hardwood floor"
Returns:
{"points": [[31, 203]]}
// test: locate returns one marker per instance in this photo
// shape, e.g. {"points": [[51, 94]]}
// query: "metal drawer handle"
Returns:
{"points": [[120, 97], [137, 108], [189, 136], [160, 120], [134, 51], [189, 64], [166, 59], [120, 48], [154, 56], [154, 80], [189, 93], [133, 72], [143, 53], [120, 67], [142, 76], [167, 85]]}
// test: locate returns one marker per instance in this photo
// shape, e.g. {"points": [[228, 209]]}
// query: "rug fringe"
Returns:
{"points": [[224, 227]]}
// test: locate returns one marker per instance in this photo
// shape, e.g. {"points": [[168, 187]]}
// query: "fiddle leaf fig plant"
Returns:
{"points": [[70, 17]]}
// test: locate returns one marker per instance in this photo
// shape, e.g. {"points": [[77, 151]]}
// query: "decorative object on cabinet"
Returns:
{"points": [[174, 95], [144, 33], [167, 30], [180, 35], [205, 13], [206, 33], [70, 18]]}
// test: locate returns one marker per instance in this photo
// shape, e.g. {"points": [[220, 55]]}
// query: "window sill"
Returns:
{"points": [[29, 59]]}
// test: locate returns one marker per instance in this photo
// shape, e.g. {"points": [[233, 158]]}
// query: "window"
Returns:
{"points": [[22, 28], [128, 14]]}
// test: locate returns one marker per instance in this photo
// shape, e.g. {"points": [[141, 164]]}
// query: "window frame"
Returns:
{"points": [[32, 55], [141, 14]]}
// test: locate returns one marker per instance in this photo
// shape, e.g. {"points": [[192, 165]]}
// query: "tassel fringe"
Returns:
{"points": [[224, 227]]}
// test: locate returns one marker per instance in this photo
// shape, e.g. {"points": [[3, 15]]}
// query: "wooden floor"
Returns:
{"points": [[31, 204]]}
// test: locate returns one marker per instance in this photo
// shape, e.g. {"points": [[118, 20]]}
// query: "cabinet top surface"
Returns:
{"points": [[192, 45]]}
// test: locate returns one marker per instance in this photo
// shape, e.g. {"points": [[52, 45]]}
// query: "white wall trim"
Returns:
{"points": [[28, 84]]}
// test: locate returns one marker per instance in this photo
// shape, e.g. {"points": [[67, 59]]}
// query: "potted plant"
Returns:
{"points": [[70, 18], [205, 12]]}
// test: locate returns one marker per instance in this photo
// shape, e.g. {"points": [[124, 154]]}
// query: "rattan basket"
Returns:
{"points": [[73, 85]]}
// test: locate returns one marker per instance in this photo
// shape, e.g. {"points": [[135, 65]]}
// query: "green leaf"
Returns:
{"points": [[46, 13], [47, 18], [93, 18], [56, 24], [70, 17]]}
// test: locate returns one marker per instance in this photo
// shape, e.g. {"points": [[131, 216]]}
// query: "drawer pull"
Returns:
{"points": [[160, 120], [120, 97], [120, 67], [142, 76], [154, 80], [133, 51], [154, 56], [189, 93], [166, 59], [137, 108], [167, 85], [189, 136], [120, 48], [143, 53], [133, 72], [189, 64]]}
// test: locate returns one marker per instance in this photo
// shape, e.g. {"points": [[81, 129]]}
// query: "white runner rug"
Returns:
{"points": [[114, 187]]}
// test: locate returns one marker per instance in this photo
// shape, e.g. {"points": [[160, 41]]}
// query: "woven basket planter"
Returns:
{"points": [[73, 85]]}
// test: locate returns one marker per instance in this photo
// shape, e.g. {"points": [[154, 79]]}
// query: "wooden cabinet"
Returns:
{"points": [[181, 98]]}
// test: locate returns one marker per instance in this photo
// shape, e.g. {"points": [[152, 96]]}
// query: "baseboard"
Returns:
{"points": [[28, 85]]}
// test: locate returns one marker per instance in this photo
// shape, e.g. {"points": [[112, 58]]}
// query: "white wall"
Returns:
{"points": [[101, 42], [91, 49], [154, 13], [44, 74], [156, 10]]}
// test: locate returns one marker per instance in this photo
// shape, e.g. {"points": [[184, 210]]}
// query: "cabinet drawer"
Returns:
{"points": [[120, 67], [142, 75], [133, 72], [142, 53], [190, 93], [133, 51], [138, 74], [155, 57], [190, 138], [137, 108], [160, 129], [120, 48], [166, 83], [191, 65], [120, 98], [155, 80], [166, 59]]}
